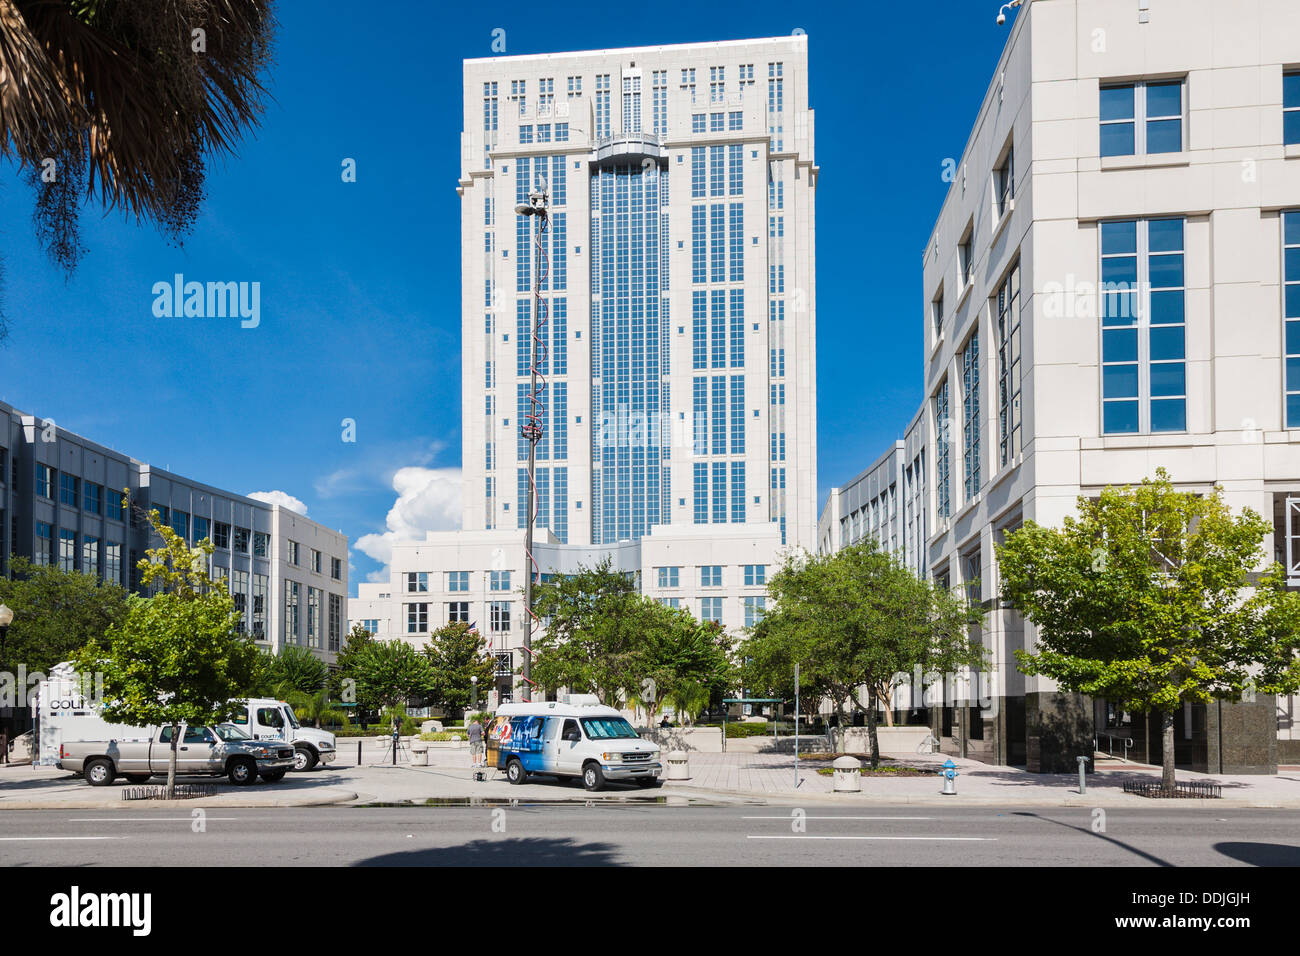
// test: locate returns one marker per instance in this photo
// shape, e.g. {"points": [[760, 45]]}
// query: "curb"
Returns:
{"points": [[1109, 800], [223, 801]]}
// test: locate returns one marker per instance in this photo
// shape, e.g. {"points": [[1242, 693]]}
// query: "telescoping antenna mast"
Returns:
{"points": [[534, 419]]}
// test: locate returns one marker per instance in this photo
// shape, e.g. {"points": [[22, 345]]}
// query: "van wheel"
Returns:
{"points": [[242, 772], [592, 777], [515, 772], [137, 777], [99, 773], [271, 776], [303, 759]]}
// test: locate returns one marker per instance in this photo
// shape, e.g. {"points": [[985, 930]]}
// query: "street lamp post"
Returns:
{"points": [[6, 618], [531, 427]]}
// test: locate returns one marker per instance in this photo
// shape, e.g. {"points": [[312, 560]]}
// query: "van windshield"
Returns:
{"points": [[293, 719], [608, 728]]}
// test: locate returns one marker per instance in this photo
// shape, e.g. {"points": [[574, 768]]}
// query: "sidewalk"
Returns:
{"points": [[730, 777], [772, 776]]}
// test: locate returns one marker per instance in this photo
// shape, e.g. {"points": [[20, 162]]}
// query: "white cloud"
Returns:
{"points": [[281, 498], [374, 465], [428, 499]]}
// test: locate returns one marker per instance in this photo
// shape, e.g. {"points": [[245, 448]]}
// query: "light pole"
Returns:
{"points": [[473, 683], [531, 427], [6, 618]]}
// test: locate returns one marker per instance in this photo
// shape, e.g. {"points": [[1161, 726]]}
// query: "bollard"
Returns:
{"points": [[419, 753], [949, 778], [358, 753], [848, 775], [679, 767], [1083, 770]]}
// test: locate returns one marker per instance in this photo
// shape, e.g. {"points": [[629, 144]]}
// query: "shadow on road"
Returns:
{"points": [[1261, 854], [533, 851], [1151, 858]]}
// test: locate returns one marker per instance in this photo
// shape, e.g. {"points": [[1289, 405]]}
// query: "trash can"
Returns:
{"points": [[679, 767], [848, 775], [419, 753]]}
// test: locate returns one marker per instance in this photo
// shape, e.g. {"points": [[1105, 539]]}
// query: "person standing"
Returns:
{"points": [[475, 733]]}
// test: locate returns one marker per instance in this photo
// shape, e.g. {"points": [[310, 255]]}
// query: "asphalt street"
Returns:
{"points": [[650, 834]]}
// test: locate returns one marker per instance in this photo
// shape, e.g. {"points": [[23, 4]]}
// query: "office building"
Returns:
{"points": [[1112, 286]]}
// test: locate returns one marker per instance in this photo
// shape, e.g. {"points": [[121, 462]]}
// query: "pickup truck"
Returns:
{"points": [[212, 751]]}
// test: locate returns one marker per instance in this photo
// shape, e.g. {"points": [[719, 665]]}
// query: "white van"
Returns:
{"points": [[579, 737], [64, 714]]}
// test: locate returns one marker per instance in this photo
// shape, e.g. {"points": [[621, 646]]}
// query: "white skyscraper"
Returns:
{"points": [[678, 344]]}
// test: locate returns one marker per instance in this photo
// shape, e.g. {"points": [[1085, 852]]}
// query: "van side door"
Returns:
{"points": [[570, 747]]}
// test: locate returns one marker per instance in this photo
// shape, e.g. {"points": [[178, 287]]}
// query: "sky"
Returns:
{"points": [[359, 281]]}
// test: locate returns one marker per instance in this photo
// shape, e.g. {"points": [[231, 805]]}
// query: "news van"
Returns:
{"points": [[578, 737], [65, 714]]}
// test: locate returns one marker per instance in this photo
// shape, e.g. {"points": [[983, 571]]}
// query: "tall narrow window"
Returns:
{"points": [[942, 452], [1004, 183], [970, 403], [1291, 311], [1144, 358], [1008, 303]]}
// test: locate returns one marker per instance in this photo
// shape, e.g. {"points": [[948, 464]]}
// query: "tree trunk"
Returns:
{"points": [[171, 762], [888, 697], [871, 729], [1167, 728]]}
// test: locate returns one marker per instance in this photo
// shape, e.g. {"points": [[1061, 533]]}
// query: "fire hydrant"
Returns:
{"points": [[949, 778]]}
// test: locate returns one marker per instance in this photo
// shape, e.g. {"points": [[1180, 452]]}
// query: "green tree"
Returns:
{"points": [[342, 682], [388, 673], [1146, 599], [457, 653], [858, 618], [591, 638], [56, 613], [177, 657], [297, 669], [682, 662]]}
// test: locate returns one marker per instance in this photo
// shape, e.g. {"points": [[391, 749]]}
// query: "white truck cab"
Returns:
{"points": [[265, 718], [577, 737]]}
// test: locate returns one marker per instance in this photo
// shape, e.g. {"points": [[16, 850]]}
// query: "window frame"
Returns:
{"points": [[1141, 118]]}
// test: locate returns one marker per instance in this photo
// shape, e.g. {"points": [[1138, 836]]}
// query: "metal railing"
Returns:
{"points": [[1111, 738], [1195, 789]]}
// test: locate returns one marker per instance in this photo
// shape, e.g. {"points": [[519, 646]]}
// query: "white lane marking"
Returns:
{"points": [[789, 818], [22, 839], [805, 836], [144, 819]]}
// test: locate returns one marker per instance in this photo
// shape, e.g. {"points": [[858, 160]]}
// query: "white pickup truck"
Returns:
{"points": [[208, 751], [64, 715]]}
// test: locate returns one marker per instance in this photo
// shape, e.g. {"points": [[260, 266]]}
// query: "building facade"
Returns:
{"points": [[678, 299], [61, 505], [1111, 287], [676, 341]]}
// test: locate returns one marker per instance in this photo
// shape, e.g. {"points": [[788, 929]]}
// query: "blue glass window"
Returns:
{"points": [[1143, 379], [737, 414], [737, 328], [1291, 313]]}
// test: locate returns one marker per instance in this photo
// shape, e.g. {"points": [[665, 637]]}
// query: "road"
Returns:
{"points": [[650, 834]]}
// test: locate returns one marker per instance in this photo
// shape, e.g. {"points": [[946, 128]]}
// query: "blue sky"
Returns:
{"points": [[360, 282]]}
